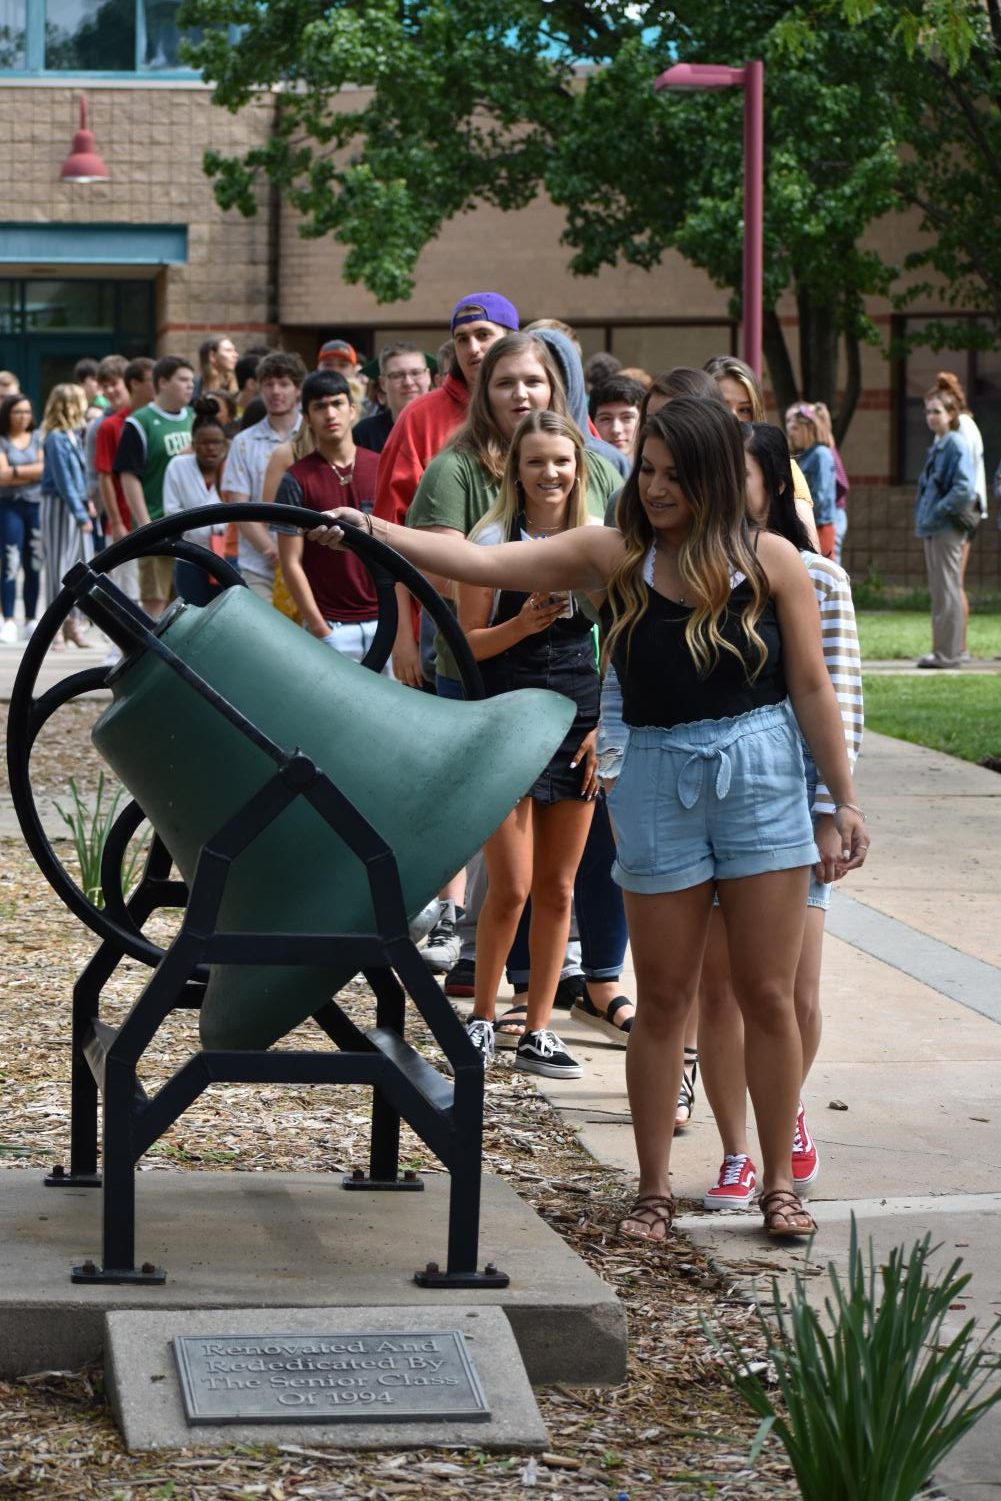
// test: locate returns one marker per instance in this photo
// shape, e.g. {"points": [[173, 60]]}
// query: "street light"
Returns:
{"points": [[83, 163], [751, 78]]}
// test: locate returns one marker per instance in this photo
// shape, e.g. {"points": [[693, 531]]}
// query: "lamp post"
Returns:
{"points": [[751, 78], [83, 163]]}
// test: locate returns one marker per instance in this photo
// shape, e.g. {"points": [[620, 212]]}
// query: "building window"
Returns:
{"points": [[979, 370], [91, 36]]}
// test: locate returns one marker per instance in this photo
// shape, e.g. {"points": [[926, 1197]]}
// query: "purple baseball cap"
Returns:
{"points": [[486, 305]]}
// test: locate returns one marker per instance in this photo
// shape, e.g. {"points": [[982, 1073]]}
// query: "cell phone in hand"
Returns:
{"points": [[565, 597]]}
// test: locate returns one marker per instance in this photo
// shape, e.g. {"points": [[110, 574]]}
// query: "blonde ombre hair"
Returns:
{"points": [[706, 445], [720, 366], [65, 410], [511, 500]]}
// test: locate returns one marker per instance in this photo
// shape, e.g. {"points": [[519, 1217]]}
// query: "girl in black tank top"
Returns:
{"points": [[713, 802], [528, 639]]}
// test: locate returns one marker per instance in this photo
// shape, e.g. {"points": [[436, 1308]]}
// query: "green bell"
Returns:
{"points": [[434, 777]]}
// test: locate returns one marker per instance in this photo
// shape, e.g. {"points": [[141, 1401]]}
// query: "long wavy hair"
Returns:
{"points": [[480, 435], [65, 409], [511, 500], [721, 365], [707, 448], [769, 446]]}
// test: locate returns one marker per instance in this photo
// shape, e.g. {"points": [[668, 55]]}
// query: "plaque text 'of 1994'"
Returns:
{"points": [[348, 1378]]}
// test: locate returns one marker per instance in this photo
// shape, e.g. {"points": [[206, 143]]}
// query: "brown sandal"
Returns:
{"points": [[654, 1211], [784, 1205]]}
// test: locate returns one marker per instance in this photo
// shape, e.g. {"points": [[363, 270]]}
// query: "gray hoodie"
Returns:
{"points": [[569, 361]]}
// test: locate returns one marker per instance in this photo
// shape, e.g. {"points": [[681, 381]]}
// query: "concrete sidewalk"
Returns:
{"points": [[912, 1046]]}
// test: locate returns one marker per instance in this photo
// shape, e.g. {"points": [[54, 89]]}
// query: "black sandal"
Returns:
{"points": [[686, 1094], [510, 1027], [585, 1010]]}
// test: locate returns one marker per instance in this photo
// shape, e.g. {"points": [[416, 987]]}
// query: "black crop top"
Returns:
{"points": [[660, 681]]}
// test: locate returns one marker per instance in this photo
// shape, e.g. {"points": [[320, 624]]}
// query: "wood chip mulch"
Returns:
{"points": [[674, 1429]]}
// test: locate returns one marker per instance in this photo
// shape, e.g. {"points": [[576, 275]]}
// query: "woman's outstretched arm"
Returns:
{"points": [[583, 558]]}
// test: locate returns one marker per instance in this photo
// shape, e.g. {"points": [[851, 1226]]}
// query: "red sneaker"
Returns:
{"points": [[805, 1157], [734, 1189]]}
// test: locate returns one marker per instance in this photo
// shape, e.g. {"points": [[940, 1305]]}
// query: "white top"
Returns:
{"points": [[184, 489], [246, 464], [971, 436]]}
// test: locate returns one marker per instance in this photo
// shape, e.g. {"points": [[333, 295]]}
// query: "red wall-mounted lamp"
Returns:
{"points": [[83, 163]]}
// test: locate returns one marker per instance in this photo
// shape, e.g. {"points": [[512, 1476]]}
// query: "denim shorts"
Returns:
{"points": [[718, 799]]}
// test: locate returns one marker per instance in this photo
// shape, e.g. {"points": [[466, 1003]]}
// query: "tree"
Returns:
{"points": [[471, 100], [953, 175]]}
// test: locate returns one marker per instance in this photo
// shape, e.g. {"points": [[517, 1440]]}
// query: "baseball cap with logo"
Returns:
{"points": [[489, 306]]}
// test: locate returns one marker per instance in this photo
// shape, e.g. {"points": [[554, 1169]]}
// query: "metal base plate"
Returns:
{"points": [[411, 1184], [156, 1276], [443, 1280], [60, 1179]]}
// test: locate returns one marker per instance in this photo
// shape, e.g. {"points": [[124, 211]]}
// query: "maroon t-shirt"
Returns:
{"points": [[341, 584]]}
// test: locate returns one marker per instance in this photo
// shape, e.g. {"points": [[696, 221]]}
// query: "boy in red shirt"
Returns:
{"points": [[334, 590]]}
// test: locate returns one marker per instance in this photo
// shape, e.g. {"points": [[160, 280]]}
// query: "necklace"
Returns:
{"points": [[343, 479], [541, 531]]}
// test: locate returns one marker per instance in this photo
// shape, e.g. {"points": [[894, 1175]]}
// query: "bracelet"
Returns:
{"points": [[854, 807]]}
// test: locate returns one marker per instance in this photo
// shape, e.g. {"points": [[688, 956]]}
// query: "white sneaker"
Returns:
{"points": [[8, 633], [442, 949], [481, 1035], [29, 630]]}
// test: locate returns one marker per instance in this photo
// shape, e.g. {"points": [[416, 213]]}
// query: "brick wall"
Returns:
{"points": [[881, 541], [151, 138]]}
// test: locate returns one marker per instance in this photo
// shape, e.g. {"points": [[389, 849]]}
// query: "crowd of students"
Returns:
{"points": [[701, 803]]}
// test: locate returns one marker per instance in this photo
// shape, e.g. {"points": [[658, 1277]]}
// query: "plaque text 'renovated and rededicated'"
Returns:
{"points": [[302, 1378]]}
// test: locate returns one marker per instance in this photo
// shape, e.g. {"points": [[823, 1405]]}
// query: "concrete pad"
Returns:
{"points": [[253, 1240], [145, 1391]]}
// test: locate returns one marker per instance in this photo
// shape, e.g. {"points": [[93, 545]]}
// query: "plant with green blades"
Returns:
{"points": [[868, 1410], [90, 830]]}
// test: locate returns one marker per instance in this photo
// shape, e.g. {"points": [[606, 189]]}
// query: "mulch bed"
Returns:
{"points": [[673, 1429]]}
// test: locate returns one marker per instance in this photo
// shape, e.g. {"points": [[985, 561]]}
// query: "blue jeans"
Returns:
{"points": [[20, 546], [601, 918], [840, 529]]}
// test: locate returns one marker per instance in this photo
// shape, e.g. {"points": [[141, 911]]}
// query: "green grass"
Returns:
{"points": [[958, 715], [889, 635]]}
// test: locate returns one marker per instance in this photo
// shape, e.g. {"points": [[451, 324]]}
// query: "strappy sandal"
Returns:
{"points": [[585, 1010], [653, 1210], [510, 1028], [784, 1205], [686, 1094]]}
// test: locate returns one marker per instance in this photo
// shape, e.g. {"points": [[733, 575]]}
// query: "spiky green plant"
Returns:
{"points": [[90, 830], [870, 1405]]}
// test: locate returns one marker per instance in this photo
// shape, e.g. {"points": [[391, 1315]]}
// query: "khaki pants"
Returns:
{"points": [[943, 560]]}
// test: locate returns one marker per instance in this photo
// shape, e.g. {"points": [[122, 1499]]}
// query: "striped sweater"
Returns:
{"points": [[841, 655]]}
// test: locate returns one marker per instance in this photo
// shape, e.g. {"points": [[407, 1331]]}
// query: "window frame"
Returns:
{"points": [[34, 55]]}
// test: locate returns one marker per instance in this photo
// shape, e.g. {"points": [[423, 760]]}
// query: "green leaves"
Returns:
{"points": [[874, 1393]]}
